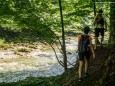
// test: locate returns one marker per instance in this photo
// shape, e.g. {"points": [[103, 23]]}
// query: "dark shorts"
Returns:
{"points": [[83, 56], [99, 31]]}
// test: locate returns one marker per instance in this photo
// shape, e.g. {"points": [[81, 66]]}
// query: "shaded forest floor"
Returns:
{"points": [[95, 70]]}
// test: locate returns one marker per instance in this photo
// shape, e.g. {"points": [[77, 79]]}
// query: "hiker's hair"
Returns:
{"points": [[86, 30], [100, 11]]}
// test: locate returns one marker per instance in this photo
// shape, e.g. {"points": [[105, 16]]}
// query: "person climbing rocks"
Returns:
{"points": [[85, 48]]}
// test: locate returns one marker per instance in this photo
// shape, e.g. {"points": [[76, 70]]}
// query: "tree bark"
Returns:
{"points": [[112, 23], [63, 38], [94, 6]]}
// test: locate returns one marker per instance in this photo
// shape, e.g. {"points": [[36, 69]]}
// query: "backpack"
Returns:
{"points": [[99, 19], [83, 45]]}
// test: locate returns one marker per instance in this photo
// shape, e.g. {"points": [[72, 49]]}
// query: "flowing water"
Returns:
{"points": [[14, 67]]}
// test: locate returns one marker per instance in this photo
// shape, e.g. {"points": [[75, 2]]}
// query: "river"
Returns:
{"points": [[36, 63]]}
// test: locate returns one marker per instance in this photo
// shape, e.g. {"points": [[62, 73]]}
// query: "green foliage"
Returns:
{"points": [[41, 16], [28, 14]]}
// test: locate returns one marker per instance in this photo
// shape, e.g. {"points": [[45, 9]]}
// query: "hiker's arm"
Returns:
{"points": [[105, 25], [91, 46]]}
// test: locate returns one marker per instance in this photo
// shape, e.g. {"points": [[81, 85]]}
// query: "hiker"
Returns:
{"points": [[100, 25], [84, 51]]}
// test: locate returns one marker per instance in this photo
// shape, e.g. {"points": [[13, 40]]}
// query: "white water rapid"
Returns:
{"points": [[34, 63]]}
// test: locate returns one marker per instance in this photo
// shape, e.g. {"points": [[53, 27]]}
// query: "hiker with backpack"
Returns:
{"points": [[84, 51], [100, 25]]}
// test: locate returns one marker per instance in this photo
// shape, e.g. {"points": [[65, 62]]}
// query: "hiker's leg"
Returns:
{"points": [[96, 37], [80, 69], [81, 59], [86, 65], [98, 42], [102, 36], [87, 57]]}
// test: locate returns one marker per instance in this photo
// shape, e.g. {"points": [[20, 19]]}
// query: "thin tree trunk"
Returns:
{"points": [[63, 38], [94, 6], [112, 23]]}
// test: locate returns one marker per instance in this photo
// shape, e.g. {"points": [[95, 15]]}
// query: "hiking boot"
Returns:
{"points": [[79, 79], [86, 75]]}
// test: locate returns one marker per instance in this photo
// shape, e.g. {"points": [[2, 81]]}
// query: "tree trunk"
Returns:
{"points": [[94, 6], [63, 38], [112, 23]]}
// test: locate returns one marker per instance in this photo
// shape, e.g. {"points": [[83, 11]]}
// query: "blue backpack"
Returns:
{"points": [[83, 45]]}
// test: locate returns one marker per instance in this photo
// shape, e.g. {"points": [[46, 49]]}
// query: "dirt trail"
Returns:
{"points": [[95, 68], [96, 64]]}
